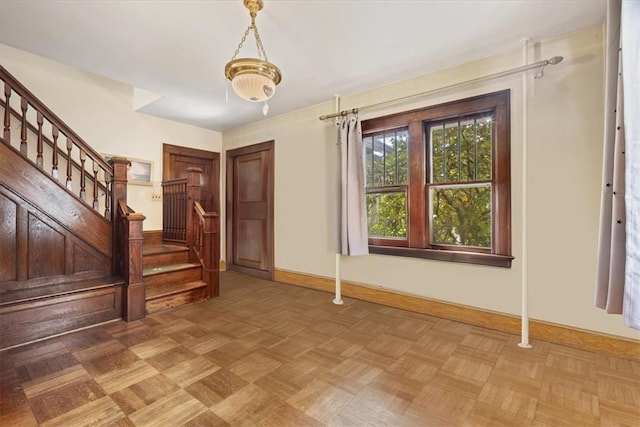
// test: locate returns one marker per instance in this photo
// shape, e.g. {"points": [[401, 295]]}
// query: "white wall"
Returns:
{"points": [[100, 110], [565, 157]]}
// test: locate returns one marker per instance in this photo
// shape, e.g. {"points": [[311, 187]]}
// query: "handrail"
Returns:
{"points": [[38, 105], [174, 181], [48, 141], [205, 242], [199, 210], [125, 210]]}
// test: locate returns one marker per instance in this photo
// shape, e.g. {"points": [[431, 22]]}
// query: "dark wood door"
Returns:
{"points": [[250, 210], [175, 162]]}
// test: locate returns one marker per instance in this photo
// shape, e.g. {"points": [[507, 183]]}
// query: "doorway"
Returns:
{"points": [[175, 162], [249, 217]]}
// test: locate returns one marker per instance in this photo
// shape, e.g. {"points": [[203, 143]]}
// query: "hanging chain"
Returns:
{"points": [[261, 53]]}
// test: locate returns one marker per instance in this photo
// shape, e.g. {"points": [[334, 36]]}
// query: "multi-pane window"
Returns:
{"points": [[460, 180], [437, 181], [385, 159]]}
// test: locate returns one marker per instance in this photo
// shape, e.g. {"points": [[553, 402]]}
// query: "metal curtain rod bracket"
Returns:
{"points": [[540, 64]]}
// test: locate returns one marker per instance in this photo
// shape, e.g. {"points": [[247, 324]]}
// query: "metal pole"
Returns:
{"points": [[551, 61]]}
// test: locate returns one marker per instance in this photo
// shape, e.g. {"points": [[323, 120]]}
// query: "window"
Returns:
{"points": [[438, 182]]}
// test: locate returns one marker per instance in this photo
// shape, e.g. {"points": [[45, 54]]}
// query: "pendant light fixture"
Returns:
{"points": [[253, 79]]}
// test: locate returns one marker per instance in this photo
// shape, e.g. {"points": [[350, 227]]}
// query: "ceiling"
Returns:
{"points": [[178, 49]]}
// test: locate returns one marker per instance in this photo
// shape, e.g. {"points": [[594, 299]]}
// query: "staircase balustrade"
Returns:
{"points": [[21, 109], [206, 246], [185, 221], [174, 210], [102, 237]]}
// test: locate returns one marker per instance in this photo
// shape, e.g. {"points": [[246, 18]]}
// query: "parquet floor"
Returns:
{"points": [[268, 354]]}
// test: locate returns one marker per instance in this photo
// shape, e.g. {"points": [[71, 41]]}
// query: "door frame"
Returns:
{"points": [[229, 214]]}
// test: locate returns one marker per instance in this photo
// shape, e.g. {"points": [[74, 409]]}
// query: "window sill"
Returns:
{"points": [[444, 255]]}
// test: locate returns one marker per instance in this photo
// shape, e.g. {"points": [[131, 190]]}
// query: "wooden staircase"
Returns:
{"points": [[72, 252], [169, 278]]}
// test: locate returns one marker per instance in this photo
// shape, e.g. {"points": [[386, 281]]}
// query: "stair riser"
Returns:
{"points": [[163, 303], [31, 320], [171, 277], [158, 260]]}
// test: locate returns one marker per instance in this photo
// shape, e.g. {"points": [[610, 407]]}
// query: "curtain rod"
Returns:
{"points": [[540, 64]]}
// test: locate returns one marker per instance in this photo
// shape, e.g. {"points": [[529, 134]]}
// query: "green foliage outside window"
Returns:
{"points": [[461, 216], [386, 160], [387, 214]]}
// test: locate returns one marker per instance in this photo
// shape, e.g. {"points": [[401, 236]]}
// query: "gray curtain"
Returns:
{"points": [[352, 212], [618, 269]]}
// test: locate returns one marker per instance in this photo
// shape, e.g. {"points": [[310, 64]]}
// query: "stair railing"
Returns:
{"points": [[108, 180], [81, 164], [202, 233], [130, 260], [206, 246], [174, 210]]}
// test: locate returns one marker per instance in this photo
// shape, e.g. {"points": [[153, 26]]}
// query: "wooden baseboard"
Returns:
{"points": [[223, 265], [545, 331]]}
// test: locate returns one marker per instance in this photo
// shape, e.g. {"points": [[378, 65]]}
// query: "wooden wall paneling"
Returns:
{"points": [[22, 229], [84, 259], [46, 248], [8, 239], [45, 252], [51, 316], [23, 178]]}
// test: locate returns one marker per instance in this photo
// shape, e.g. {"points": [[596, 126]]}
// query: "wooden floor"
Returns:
{"points": [[269, 354]]}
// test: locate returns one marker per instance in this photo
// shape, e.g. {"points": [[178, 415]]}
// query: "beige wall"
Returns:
{"points": [[100, 110], [564, 158], [565, 154]]}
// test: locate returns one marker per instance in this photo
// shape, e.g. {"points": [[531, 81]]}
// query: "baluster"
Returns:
{"points": [[83, 178], [69, 165], [54, 167], [107, 195], [23, 127], [7, 113], [39, 159], [96, 204]]}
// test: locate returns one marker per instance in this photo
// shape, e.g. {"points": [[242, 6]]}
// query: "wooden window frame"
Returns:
{"points": [[417, 244]]}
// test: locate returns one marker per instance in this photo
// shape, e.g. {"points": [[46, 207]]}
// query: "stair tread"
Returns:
{"points": [[162, 291], [168, 268], [162, 249], [42, 292]]}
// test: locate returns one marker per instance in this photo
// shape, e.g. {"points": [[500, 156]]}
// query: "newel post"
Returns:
{"points": [[194, 194], [118, 192], [211, 255], [134, 298]]}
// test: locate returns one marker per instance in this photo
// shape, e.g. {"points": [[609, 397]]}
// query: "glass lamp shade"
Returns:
{"points": [[253, 87], [253, 79]]}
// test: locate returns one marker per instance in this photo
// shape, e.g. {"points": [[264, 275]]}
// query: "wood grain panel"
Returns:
{"points": [[84, 259], [21, 177], [560, 334], [34, 320], [47, 253], [46, 249], [249, 232], [8, 239]]}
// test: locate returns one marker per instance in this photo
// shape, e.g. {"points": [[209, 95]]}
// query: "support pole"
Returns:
{"points": [[338, 298], [524, 342]]}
